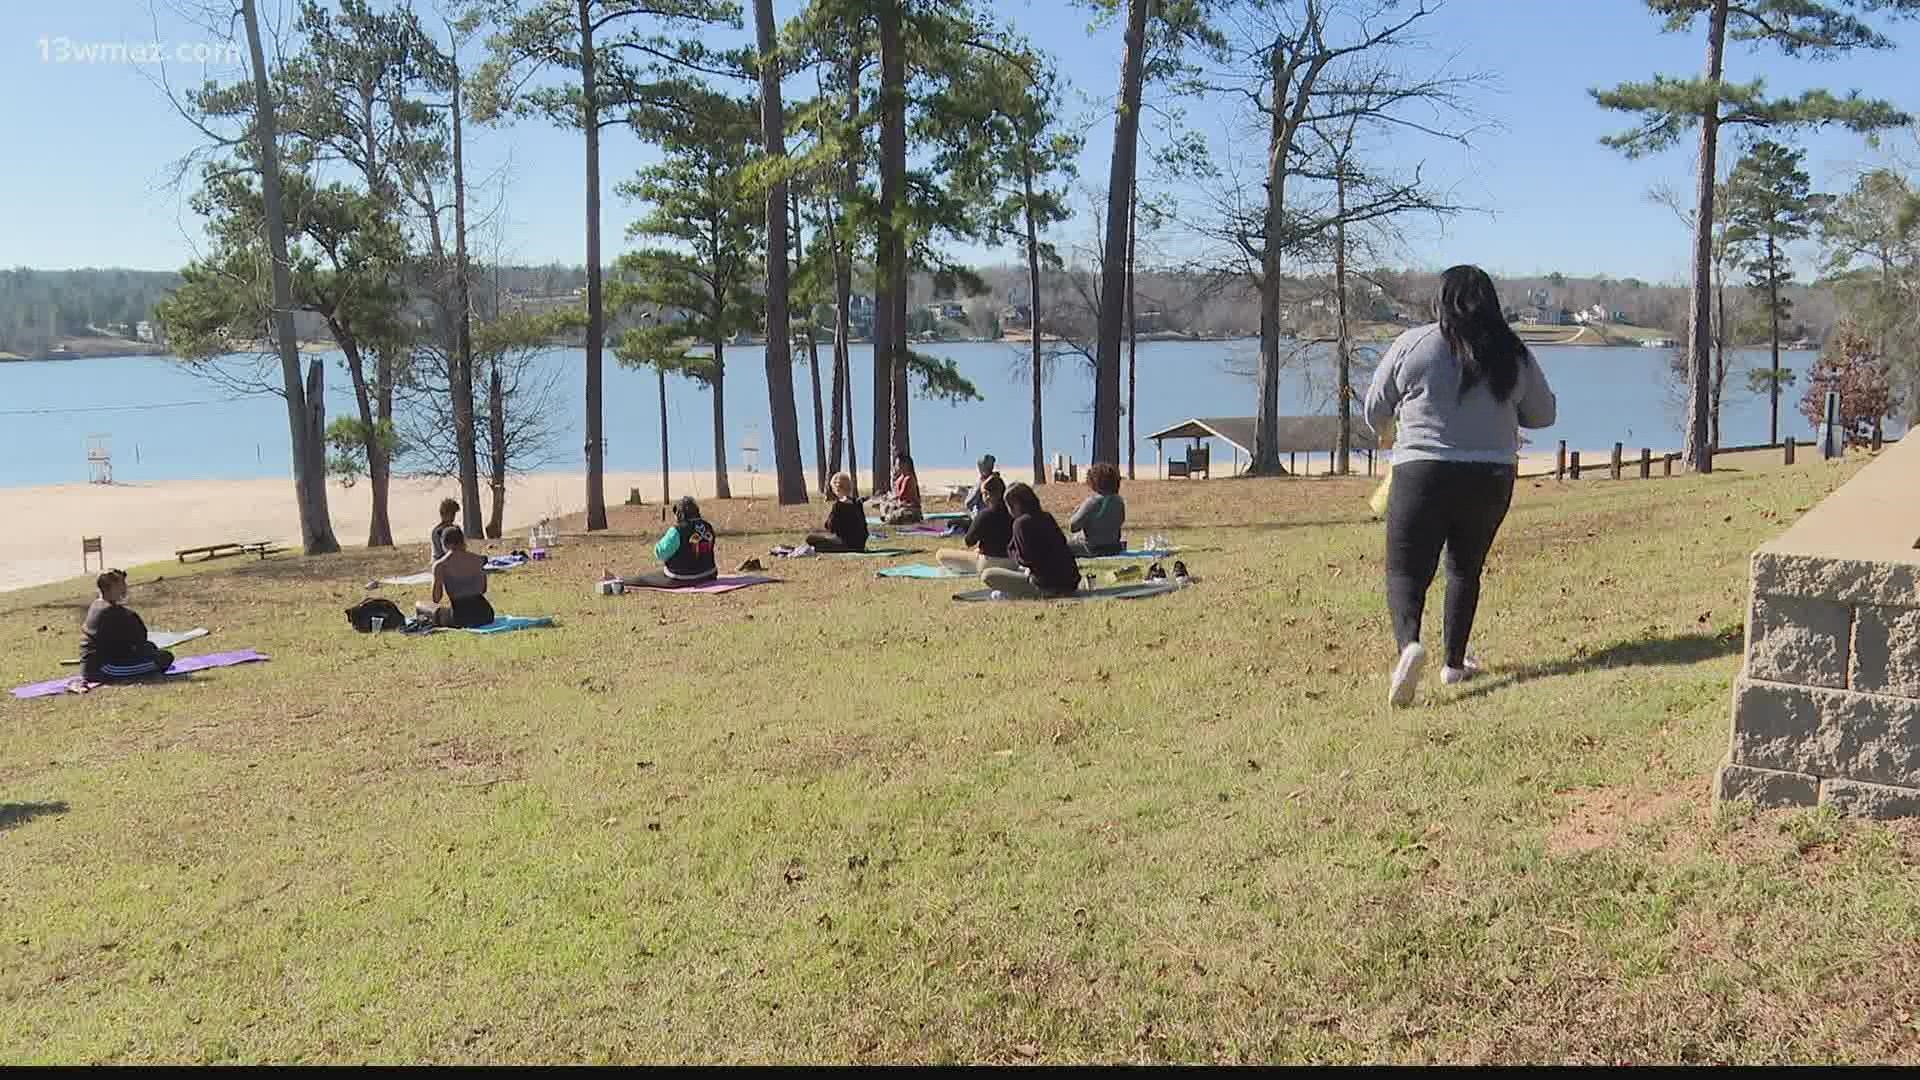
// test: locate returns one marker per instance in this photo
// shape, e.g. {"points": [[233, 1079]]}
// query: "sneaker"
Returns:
{"points": [[749, 565], [1156, 572], [1180, 569], [1406, 674], [1467, 670]]}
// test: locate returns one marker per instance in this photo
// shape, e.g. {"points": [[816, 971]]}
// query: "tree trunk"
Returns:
{"points": [[1133, 326], [1773, 317], [721, 488], [379, 527], [309, 480], [666, 495], [853, 454], [1037, 357], [813, 364], [1120, 178], [596, 311], [842, 326], [497, 447], [1343, 355], [790, 473], [890, 362], [1699, 449], [1719, 351], [464, 436]]}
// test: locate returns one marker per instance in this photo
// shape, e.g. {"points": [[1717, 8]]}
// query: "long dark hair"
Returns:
{"points": [[1021, 499], [1477, 333]]}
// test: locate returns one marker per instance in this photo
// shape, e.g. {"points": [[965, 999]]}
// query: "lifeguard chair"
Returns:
{"points": [[100, 459]]}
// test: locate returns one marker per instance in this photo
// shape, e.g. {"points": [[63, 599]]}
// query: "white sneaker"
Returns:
{"points": [[1453, 675], [1406, 674]]}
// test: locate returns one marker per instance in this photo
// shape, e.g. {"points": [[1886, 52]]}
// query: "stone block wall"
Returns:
{"points": [[1827, 706]]}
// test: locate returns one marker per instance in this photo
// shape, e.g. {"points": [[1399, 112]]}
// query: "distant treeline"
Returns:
{"points": [[40, 307]]}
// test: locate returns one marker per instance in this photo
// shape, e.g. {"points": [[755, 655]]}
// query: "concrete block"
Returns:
{"points": [[1791, 639], [1846, 581], [1855, 799], [1829, 733], [1765, 788], [1885, 653]]}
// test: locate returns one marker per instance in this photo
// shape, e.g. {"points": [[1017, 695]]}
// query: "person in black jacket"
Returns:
{"points": [[686, 552], [113, 641], [1046, 563], [987, 537], [846, 528]]}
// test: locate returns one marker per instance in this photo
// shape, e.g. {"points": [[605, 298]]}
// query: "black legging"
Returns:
{"points": [[1455, 504]]}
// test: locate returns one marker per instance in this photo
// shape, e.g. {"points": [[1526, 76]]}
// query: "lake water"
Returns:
{"points": [[166, 423]]}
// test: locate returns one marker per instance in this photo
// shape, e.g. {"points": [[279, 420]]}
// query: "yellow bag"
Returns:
{"points": [[1379, 500]]}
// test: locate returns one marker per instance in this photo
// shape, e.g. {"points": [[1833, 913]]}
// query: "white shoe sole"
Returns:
{"points": [[1406, 674]]}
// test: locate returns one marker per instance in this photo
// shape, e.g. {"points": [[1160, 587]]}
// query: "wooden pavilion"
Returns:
{"points": [[1298, 435]]}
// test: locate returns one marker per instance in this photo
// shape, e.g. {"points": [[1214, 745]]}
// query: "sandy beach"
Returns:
{"points": [[141, 523]]}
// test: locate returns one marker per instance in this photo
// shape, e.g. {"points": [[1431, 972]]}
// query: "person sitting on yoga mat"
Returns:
{"points": [[902, 507], [977, 498], [448, 511], [685, 551], [1046, 566], [846, 528], [113, 641], [1096, 524], [460, 579], [987, 537]]}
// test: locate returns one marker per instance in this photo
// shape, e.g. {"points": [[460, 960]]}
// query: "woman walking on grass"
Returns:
{"points": [[1459, 391]]}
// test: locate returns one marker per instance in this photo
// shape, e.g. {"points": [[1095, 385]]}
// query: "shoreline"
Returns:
{"points": [[148, 522]]}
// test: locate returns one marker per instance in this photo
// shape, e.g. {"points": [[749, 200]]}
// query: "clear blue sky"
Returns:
{"points": [[86, 181]]}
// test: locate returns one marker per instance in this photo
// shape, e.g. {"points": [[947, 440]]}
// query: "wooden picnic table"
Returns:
{"points": [[262, 548]]}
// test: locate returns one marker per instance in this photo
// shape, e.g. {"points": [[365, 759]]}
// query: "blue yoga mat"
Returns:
{"points": [[919, 570], [1128, 555], [508, 623]]}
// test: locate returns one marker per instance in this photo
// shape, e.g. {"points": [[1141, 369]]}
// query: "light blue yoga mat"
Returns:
{"points": [[1135, 591], [920, 570], [508, 623], [1128, 555]]}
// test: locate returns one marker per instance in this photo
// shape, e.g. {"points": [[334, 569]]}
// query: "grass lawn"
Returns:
{"points": [[842, 818]]}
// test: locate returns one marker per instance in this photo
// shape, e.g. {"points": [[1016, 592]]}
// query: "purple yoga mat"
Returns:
{"points": [[74, 684], [717, 585]]}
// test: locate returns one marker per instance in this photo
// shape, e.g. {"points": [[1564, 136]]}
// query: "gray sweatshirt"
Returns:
{"points": [[1418, 381]]}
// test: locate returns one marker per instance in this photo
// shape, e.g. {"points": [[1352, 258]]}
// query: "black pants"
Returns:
{"points": [[1432, 505], [828, 543]]}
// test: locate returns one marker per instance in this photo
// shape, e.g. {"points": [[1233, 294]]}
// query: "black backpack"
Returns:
{"points": [[362, 614]]}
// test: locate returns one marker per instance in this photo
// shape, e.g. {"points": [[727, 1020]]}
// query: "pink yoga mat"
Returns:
{"points": [[74, 684], [717, 585]]}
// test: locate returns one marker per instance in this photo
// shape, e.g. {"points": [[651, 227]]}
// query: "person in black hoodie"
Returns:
{"points": [[1046, 563], [113, 642], [987, 537], [846, 528], [686, 552]]}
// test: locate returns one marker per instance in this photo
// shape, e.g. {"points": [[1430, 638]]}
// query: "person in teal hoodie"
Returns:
{"points": [[686, 552], [1097, 523]]}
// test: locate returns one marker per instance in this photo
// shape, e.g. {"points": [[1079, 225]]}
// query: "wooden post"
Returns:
{"points": [[1646, 463], [1789, 450], [1666, 465], [1560, 461], [1573, 464], [1614, 464], [1293, 463]]}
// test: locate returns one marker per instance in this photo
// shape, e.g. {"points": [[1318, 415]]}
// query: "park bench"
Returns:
{"points": [[1195, 465]]}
